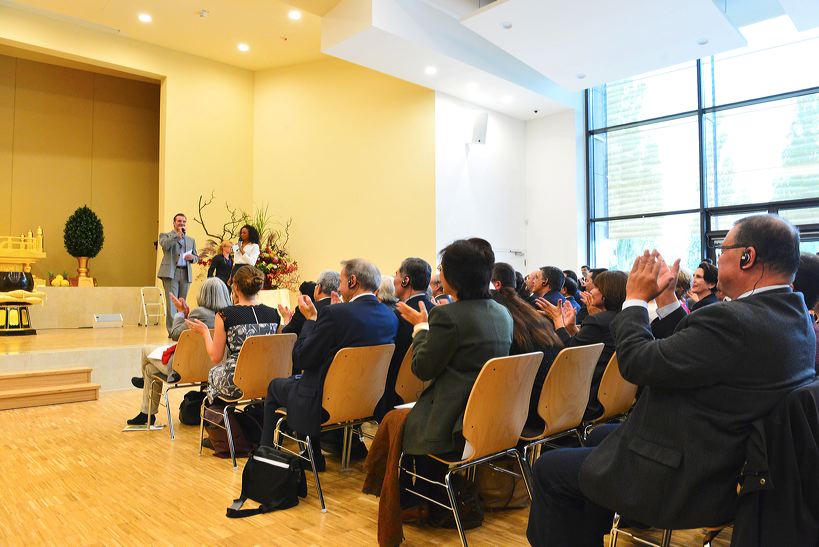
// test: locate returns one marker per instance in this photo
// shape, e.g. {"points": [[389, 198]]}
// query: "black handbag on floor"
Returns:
{"points": [[271, 477], [190, 407]]}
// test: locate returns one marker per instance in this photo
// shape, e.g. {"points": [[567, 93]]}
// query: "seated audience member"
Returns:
{"points": [[222, 263], [520, 286], [411, 280], [671, 306], [530, 332], [450, 348], [437, 288], [682, 287], [704, 286], [807, 282], [546, 284], [320, 293], [361, 320], [213, 298], [569, 293], [584, 275], [386, 292], [726, 366], [607, 299], [584, 296], [232, 326]]}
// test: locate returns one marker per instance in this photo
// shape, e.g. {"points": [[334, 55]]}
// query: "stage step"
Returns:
{"points": [[47, 387]]}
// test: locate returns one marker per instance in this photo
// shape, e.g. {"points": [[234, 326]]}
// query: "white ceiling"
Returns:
{"points": [[803, 13]]}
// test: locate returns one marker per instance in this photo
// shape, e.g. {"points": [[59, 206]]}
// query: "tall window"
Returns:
{"points": [[677, 155]]}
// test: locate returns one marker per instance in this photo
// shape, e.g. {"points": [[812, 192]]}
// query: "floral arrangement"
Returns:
{"points": [[274, 261]]}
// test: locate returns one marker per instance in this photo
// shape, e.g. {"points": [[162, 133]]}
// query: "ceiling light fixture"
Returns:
{"points": [[431, 71], [243, 47], [145, 17], [294, 14], [702, 41], [580, 76], [506, 25]]}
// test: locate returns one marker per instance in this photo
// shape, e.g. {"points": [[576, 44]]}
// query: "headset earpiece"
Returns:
{"points": [[744, 259], [405, 282]]}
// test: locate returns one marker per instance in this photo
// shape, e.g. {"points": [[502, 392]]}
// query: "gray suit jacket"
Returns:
{"points": [[462, 337], [171, 248], [203, 314]]}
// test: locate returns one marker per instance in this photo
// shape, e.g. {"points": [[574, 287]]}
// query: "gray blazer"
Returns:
{"points": [[462, 337], [203, 314], [169, 242]]}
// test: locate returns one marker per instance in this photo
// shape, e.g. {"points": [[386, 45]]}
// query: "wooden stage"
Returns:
{"points": [[114, 354]]}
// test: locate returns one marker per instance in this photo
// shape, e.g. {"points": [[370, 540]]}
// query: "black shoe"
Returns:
{"points": [[206, 443], [173, 377], [358, 450], [138, 382], [321, 464], [141, 419]]}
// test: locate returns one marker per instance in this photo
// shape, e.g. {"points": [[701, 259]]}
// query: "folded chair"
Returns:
{"points": [[192, 362], [152, 302], [261, 359], [495, 414], [564, 397], [616, 395], [352, 388]]}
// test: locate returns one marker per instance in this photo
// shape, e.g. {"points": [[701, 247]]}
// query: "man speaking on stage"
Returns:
{"points": [[178, 253]]}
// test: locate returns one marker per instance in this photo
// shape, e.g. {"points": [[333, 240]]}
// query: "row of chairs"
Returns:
{"points": [[493, 421]]}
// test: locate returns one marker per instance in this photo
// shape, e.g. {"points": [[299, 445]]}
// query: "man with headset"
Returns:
{"points": [[674, 463]]}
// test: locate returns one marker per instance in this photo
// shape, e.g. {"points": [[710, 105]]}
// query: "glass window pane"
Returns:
{"points": [[809, 246], [659, 93], [617, 242], [805, 215], [764, 152], [646, 169], [776, 60], [726, 222]]}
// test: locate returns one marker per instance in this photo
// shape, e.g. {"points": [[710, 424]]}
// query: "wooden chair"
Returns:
{"points": [[261, 359], [615, 394], [407, 385], [495, 414], [352, 388], [192, 362], [564, 397]]}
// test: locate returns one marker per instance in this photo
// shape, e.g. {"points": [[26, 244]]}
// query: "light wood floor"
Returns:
{"points": [[71, 339], [72, 477]]}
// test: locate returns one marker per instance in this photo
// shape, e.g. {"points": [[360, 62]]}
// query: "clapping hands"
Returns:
{"points": [[650, 276], [180, 304], [410, 315], [286, 314], [308, 309]]}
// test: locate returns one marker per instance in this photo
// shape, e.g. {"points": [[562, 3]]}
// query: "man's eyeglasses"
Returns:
{"points": [[723, 247]]}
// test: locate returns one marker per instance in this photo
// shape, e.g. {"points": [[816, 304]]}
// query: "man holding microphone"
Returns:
{"points": [[178, 253]]}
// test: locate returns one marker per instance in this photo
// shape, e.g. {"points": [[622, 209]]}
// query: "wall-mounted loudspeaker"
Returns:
{"points": [[107, 320], [479, 128]]}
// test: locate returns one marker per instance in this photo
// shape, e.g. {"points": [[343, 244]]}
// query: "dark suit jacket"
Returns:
{"points": [[665, 327], [462, 337], [403, 340], [553, 297], [221, 266], [674, 463], [707, 301], [297, 322], [362, 322], [593, 330]]}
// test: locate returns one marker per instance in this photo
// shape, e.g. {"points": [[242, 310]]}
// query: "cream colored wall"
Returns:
{"points": [[78, 138], [349, 154], [206, 125]]}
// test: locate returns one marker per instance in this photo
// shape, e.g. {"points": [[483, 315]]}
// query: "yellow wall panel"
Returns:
{"points": [[7, 69]]}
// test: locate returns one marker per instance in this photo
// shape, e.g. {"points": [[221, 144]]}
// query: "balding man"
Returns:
{"points": [[360, 321], [674, 463]]}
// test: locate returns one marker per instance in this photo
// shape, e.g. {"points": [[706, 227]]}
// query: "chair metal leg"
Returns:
{"points": [[454, 503], [201, 425], [168, 409], [615, 530], [524, 470], [666, 541], [277, 431], [315, 474], [229, 436]]}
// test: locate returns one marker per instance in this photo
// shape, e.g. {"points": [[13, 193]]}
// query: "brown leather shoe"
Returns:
{"points": [[417, 514]]}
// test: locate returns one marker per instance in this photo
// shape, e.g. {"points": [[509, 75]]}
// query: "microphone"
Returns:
{"points": [[183, 231]]}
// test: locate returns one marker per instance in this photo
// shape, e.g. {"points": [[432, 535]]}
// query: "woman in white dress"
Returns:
{"points": [[247, 251]]}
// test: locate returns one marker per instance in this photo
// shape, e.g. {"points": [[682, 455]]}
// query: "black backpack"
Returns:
{"points": [[271, 477], [190, 407]]}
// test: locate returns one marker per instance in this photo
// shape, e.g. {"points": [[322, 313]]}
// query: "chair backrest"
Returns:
{"points": [[261, 359], [191, 359], [407, 385], [615, 393], [565, 392], [355, 382], [499, 403]]}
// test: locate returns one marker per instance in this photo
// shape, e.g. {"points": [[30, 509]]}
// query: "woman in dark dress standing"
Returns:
{"points": [[222, 264]]}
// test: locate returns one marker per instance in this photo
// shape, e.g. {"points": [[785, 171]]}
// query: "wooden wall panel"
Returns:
{"points": [[7, 69]]}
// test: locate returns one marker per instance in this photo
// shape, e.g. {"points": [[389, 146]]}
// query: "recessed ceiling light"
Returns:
{"points": [[580, 75], [145, 18], [471, 86], [243, 46], [431, 71], [506, 25], [294, 14], [702, 41]]}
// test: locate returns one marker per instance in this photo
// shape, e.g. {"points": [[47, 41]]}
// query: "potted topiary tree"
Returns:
{"points": [[83, 239]]}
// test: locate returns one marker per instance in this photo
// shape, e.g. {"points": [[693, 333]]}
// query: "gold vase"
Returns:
{"points": [[82, 269]]}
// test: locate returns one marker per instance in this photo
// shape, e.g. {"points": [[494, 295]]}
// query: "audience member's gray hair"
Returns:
{"points": [[365, 272], [214, 295], [386, 290], [327, 281]]}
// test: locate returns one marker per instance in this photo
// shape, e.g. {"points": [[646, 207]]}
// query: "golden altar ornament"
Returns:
{"points": [[17, 292]]}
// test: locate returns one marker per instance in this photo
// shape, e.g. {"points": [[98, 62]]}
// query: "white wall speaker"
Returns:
{"points": [[479, 128], [107, 320]]}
